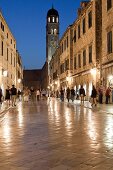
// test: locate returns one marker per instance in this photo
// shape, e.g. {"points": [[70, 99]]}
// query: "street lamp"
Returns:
{"points": [[5, 73], [93, 71], [19, 80], [110, 78]]}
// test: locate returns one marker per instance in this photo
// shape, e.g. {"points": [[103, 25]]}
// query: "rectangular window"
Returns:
{"points": [[75, 63], [84, 57], [14, 61], [2, 48], [2, 26], [79, 60], [84, 26], [67, 42], [62, 68], [90, 19], [109, 42], [90, 54], [65, 45], [78, 31], [53, 19], [7, 54], [11, 58], [67, 64], [74, 36], [62, 47], [109, 4]]}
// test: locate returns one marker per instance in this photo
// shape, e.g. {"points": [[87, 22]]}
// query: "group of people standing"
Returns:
{"points": [[33, 95], [10, 95], [70, 94], [96, 95]]}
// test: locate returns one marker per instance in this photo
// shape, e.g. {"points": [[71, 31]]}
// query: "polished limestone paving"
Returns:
{"points": [[52, 135]]}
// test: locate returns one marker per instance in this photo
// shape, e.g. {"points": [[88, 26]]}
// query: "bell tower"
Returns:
{"points": [[52, 34]]}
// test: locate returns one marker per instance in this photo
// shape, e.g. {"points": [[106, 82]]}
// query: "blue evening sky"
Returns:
{"points": [[27, 21]]}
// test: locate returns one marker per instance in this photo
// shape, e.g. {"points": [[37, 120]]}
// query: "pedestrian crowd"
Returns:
{"points": [[32, 94], [12, 94], [97, 95]]}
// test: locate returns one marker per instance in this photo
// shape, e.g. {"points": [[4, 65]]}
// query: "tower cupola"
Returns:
{"points": [[52, 16]]}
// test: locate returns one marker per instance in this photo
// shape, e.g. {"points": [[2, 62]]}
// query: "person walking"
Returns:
{"points": [[8, 95], [19, 94], [26, 94], [82, 94], [94, 96], [62, 94], [108, 91], [43, 94], [72, 94], [32, 94], [13, 95], [38, 94], [100, 91], [68, 93]]}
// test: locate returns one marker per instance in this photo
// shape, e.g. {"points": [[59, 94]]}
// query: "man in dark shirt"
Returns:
{"points": [[82, 94], [13, 95]]}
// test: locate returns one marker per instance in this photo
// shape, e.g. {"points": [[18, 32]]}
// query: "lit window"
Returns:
{"points": [[55, 31], [49, 19], [51, 31], [53, 19], [57, 19]]}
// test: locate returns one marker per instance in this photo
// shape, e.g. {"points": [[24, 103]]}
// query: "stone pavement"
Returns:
{"points": [[108, 108], [54, 135], [3, 107]]}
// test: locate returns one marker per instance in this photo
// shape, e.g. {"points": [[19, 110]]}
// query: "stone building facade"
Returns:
{"points": [[66, 58], [87, 46], [8, 58], [107, 43], [19, 71], [81, 50], [55, 71]]}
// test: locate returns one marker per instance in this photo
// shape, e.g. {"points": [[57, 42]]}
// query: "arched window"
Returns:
{"points": [[55, 31], [49, 19], [53, 19], [57, 19], [52, 31]]}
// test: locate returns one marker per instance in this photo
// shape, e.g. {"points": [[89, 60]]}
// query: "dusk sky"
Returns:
{"points": [[27, 21]]}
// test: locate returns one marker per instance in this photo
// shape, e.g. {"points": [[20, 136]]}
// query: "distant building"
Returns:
{"points": [[36, 78], [32, 78]]}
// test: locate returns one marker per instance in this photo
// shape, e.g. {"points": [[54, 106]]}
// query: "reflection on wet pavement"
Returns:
{"points": [[52, 135]]}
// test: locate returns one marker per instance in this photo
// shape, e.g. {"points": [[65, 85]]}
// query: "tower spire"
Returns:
{"points": [[52, 6]]}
